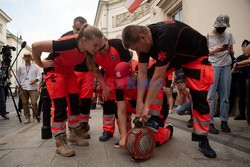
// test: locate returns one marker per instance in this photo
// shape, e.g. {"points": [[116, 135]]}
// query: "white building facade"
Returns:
{"points": [[111, 16]]}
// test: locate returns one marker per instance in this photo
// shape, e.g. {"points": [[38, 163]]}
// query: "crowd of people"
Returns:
{"points": [[171, 55]]}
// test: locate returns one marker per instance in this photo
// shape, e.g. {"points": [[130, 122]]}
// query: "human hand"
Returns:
{"points": [[33, 81], [105, 93], [145, 113], [220, 49], [234, 69], [48, 63]]}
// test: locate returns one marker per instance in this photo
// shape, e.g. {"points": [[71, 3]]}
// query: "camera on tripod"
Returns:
{"points": [[6, 52], [6, 68], [5, 63]]}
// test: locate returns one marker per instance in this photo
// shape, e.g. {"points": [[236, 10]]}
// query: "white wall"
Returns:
{"points": [[201, 14], [3, 34]]}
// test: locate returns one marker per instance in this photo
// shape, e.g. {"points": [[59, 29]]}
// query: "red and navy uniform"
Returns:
{"points": [[61, 83], [117, 53], [183, 47], [85, 80], [128, 93]]}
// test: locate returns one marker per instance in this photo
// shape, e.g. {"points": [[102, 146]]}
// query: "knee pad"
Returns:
{"points": [[165, 107], [85, 105], [74, 103], [60, 109], [109, 107], [200, 103]]}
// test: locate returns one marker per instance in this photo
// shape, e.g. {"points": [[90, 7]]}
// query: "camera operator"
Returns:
{"points": [[2, 96], [28, 76]]}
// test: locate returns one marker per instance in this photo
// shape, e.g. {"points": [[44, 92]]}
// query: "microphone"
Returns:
{"points": [[23, 44]]}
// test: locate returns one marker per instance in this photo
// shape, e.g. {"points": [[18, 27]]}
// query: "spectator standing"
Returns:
{"points": [[241, 75], [28, 76], [220, 44]]}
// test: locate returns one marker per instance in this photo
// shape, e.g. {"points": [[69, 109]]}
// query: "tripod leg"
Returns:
{"points": [[19, 117]]}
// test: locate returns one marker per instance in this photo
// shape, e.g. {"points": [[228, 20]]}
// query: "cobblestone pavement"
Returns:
{"points": [[21, 145]]}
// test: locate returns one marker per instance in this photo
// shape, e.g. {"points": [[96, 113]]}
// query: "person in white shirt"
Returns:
{"points": [[27, 77]]}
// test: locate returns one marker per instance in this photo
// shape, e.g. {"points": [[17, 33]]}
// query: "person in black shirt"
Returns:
{"points": [[240, 76], [173, 45]]}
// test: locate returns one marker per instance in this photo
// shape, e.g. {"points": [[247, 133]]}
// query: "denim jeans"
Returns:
{"points": [[184, 108], [222, 83]]}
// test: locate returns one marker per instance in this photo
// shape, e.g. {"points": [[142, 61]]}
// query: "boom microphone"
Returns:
{"points": [[23, 44]]}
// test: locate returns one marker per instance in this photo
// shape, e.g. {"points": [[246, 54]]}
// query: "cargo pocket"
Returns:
{"points": [[207, 75]]}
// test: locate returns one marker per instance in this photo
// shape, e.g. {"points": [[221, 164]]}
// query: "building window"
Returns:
{"points": [[178, 15], [1, 28]]}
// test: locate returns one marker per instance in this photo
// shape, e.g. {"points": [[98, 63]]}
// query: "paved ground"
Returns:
{"points": [[21, 145]]}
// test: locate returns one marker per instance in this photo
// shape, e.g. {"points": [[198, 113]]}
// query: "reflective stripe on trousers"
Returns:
{"points": [[109, 123], [156, 106], [83, 118]]}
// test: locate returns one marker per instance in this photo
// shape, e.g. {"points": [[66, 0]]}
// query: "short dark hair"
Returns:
{"points": [[130, 34], [245, 42], [81, 19]]}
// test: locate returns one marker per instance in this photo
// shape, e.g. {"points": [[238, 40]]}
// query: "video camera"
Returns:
{"points": [[6, 52], [5, 63]]}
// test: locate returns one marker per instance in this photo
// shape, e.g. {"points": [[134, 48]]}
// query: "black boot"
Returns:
{"points": [[240, 117], [224, 127], [206, 149], [212, 129], [105, 136]]}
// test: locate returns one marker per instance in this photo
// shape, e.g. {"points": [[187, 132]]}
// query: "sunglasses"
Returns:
{"points": [[103, 46]]}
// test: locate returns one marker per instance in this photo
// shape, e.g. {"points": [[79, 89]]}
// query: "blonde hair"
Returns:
{"points": [[90, 62], [87, 31]]}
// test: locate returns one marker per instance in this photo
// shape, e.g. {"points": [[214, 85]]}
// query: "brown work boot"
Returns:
{"points": [[85, 127], [62, 147], [82, 133], [37, 118], [75, 138], [27, 120]]}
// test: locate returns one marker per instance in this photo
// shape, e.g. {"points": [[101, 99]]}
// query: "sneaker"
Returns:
{"points": [[212, 129], [171, 128], [116, 145], [105, 136], [190, 123], [224, 127], [240, 117], [5, 116], [205, 148], [27, 120]]}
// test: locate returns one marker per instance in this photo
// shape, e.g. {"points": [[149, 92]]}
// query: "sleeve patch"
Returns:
{"points": [[162, 56]]}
